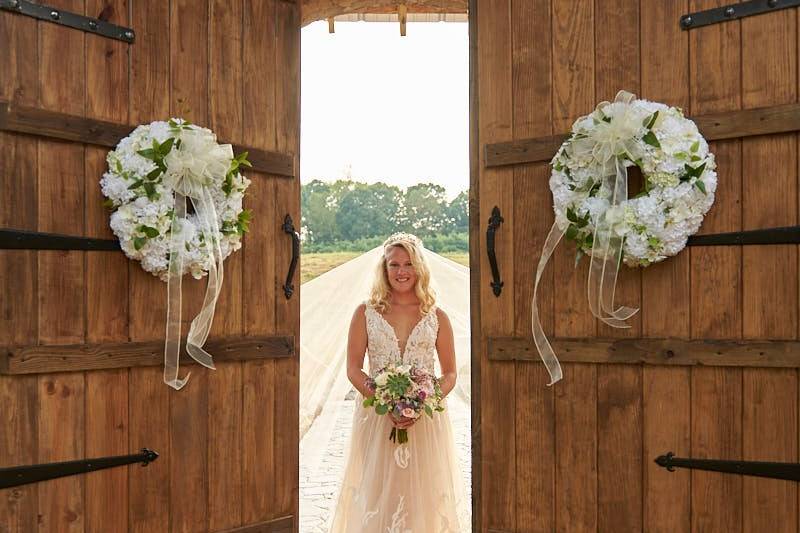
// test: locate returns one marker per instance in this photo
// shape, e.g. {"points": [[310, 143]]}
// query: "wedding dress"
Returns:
{"points": [[415, 487]]}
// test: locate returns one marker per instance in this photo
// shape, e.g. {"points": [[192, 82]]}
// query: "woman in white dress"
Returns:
{"points": [[415, 487]]}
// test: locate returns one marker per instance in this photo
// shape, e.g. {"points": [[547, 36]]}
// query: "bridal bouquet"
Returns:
{"points": [[406, 391]]}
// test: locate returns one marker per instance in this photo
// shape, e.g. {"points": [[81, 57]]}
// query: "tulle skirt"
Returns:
{"points": [[415, 487]]}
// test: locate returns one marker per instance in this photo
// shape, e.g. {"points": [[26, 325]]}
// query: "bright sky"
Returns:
{"points": [[381, 107]]}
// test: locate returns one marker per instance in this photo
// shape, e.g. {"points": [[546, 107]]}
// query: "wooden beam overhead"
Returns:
{"points": [[313, 10]]}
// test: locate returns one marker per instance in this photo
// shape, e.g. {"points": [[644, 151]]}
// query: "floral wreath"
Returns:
{"points": [[591, 204], [151, 174], [144, 172]]}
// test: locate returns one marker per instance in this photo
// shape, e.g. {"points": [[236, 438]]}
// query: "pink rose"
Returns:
{"points": [[409, 413]]}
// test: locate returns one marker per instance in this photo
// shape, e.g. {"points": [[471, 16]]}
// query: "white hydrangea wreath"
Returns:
{"points": [[143, 172], [678, 172]]}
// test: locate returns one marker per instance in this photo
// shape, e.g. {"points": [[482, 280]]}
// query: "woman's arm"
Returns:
{"points": [[445, 347], [356, 349]]}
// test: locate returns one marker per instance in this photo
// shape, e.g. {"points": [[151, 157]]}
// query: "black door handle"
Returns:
{"points": [[288, 227], [494, 222]]}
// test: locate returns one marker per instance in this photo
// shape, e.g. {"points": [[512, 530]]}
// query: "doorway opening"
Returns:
{"points": [[384, 148]]}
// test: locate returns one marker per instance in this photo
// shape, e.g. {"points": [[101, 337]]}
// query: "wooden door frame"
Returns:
{"points": [[476, 341]]}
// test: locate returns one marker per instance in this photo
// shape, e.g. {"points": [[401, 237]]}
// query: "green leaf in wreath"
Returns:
{"points": [[651, 121], [429, 411], [138, 242], [153, 174], [571, 216], [695, 146], [651, 139], [572, 232], [147, 230], [108, 202], [135, 184], [166, 146], [694, 172], [696, 158], [368, 401], [382, 409], [149, 153], [700, 185]]}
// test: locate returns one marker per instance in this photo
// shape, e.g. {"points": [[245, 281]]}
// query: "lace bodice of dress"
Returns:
{"points": [[383, 346]]}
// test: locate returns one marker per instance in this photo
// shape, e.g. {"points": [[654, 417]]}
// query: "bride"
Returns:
{"points": [[414, 487]]}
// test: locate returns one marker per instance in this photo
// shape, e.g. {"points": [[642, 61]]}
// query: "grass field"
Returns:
{"points": [[313, 265]]}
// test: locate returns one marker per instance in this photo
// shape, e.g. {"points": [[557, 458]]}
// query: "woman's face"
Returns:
{"points": [[400, 270]]}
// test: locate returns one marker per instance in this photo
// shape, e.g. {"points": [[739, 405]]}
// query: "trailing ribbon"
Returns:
{"points": [[607, 143], [194, 170]]}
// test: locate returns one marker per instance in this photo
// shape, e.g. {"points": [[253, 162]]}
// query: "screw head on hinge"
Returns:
{"points": [[54, 15], [687, 21], [93, 24], [729, 11], [129, 34], [772, 3]]}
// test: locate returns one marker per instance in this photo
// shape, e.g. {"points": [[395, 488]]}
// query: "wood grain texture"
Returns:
{"points": [[766, 120], [495, 122], [287, 310], [106, 283], [531, 27], [39, 359], [260, 278], [149, 489], [653, 351], [61, 275], [225, 407], [70, 127], [769, 273]]}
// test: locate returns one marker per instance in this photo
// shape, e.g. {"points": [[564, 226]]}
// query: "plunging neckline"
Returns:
{"points": [[410, 335]]}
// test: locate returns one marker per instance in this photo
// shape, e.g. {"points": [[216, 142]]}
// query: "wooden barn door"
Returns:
{"points": [[709, 368], [82, 332]]}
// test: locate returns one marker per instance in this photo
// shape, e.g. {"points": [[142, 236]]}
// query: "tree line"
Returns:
{"points": [[347, 215]]}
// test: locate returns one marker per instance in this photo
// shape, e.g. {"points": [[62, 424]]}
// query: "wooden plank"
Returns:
{"points": [[576, 452], [665, 309], [495, 122], [106, 283], [19, 80], [189, 99], [75, 128], [39, 359], [716, 306], [576, 398], [260, 279], [769, 428], [667, 496], [225, 384], [107, 435], [60, 428], [18, 446], [769, 273], [619, 388], [475, 253], [61, 282], [714, 127], [287, 312], [258, 421], [716, 433], [149, 489], [535, 408], [654, 351]]}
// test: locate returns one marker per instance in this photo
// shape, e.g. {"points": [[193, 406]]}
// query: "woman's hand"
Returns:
{"points": [[402, 422]]}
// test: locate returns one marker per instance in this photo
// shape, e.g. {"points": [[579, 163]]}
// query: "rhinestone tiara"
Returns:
{"points": [[401, 236]]}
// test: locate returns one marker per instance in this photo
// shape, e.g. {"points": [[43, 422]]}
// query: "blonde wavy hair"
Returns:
{"points": [[382, 290]]}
